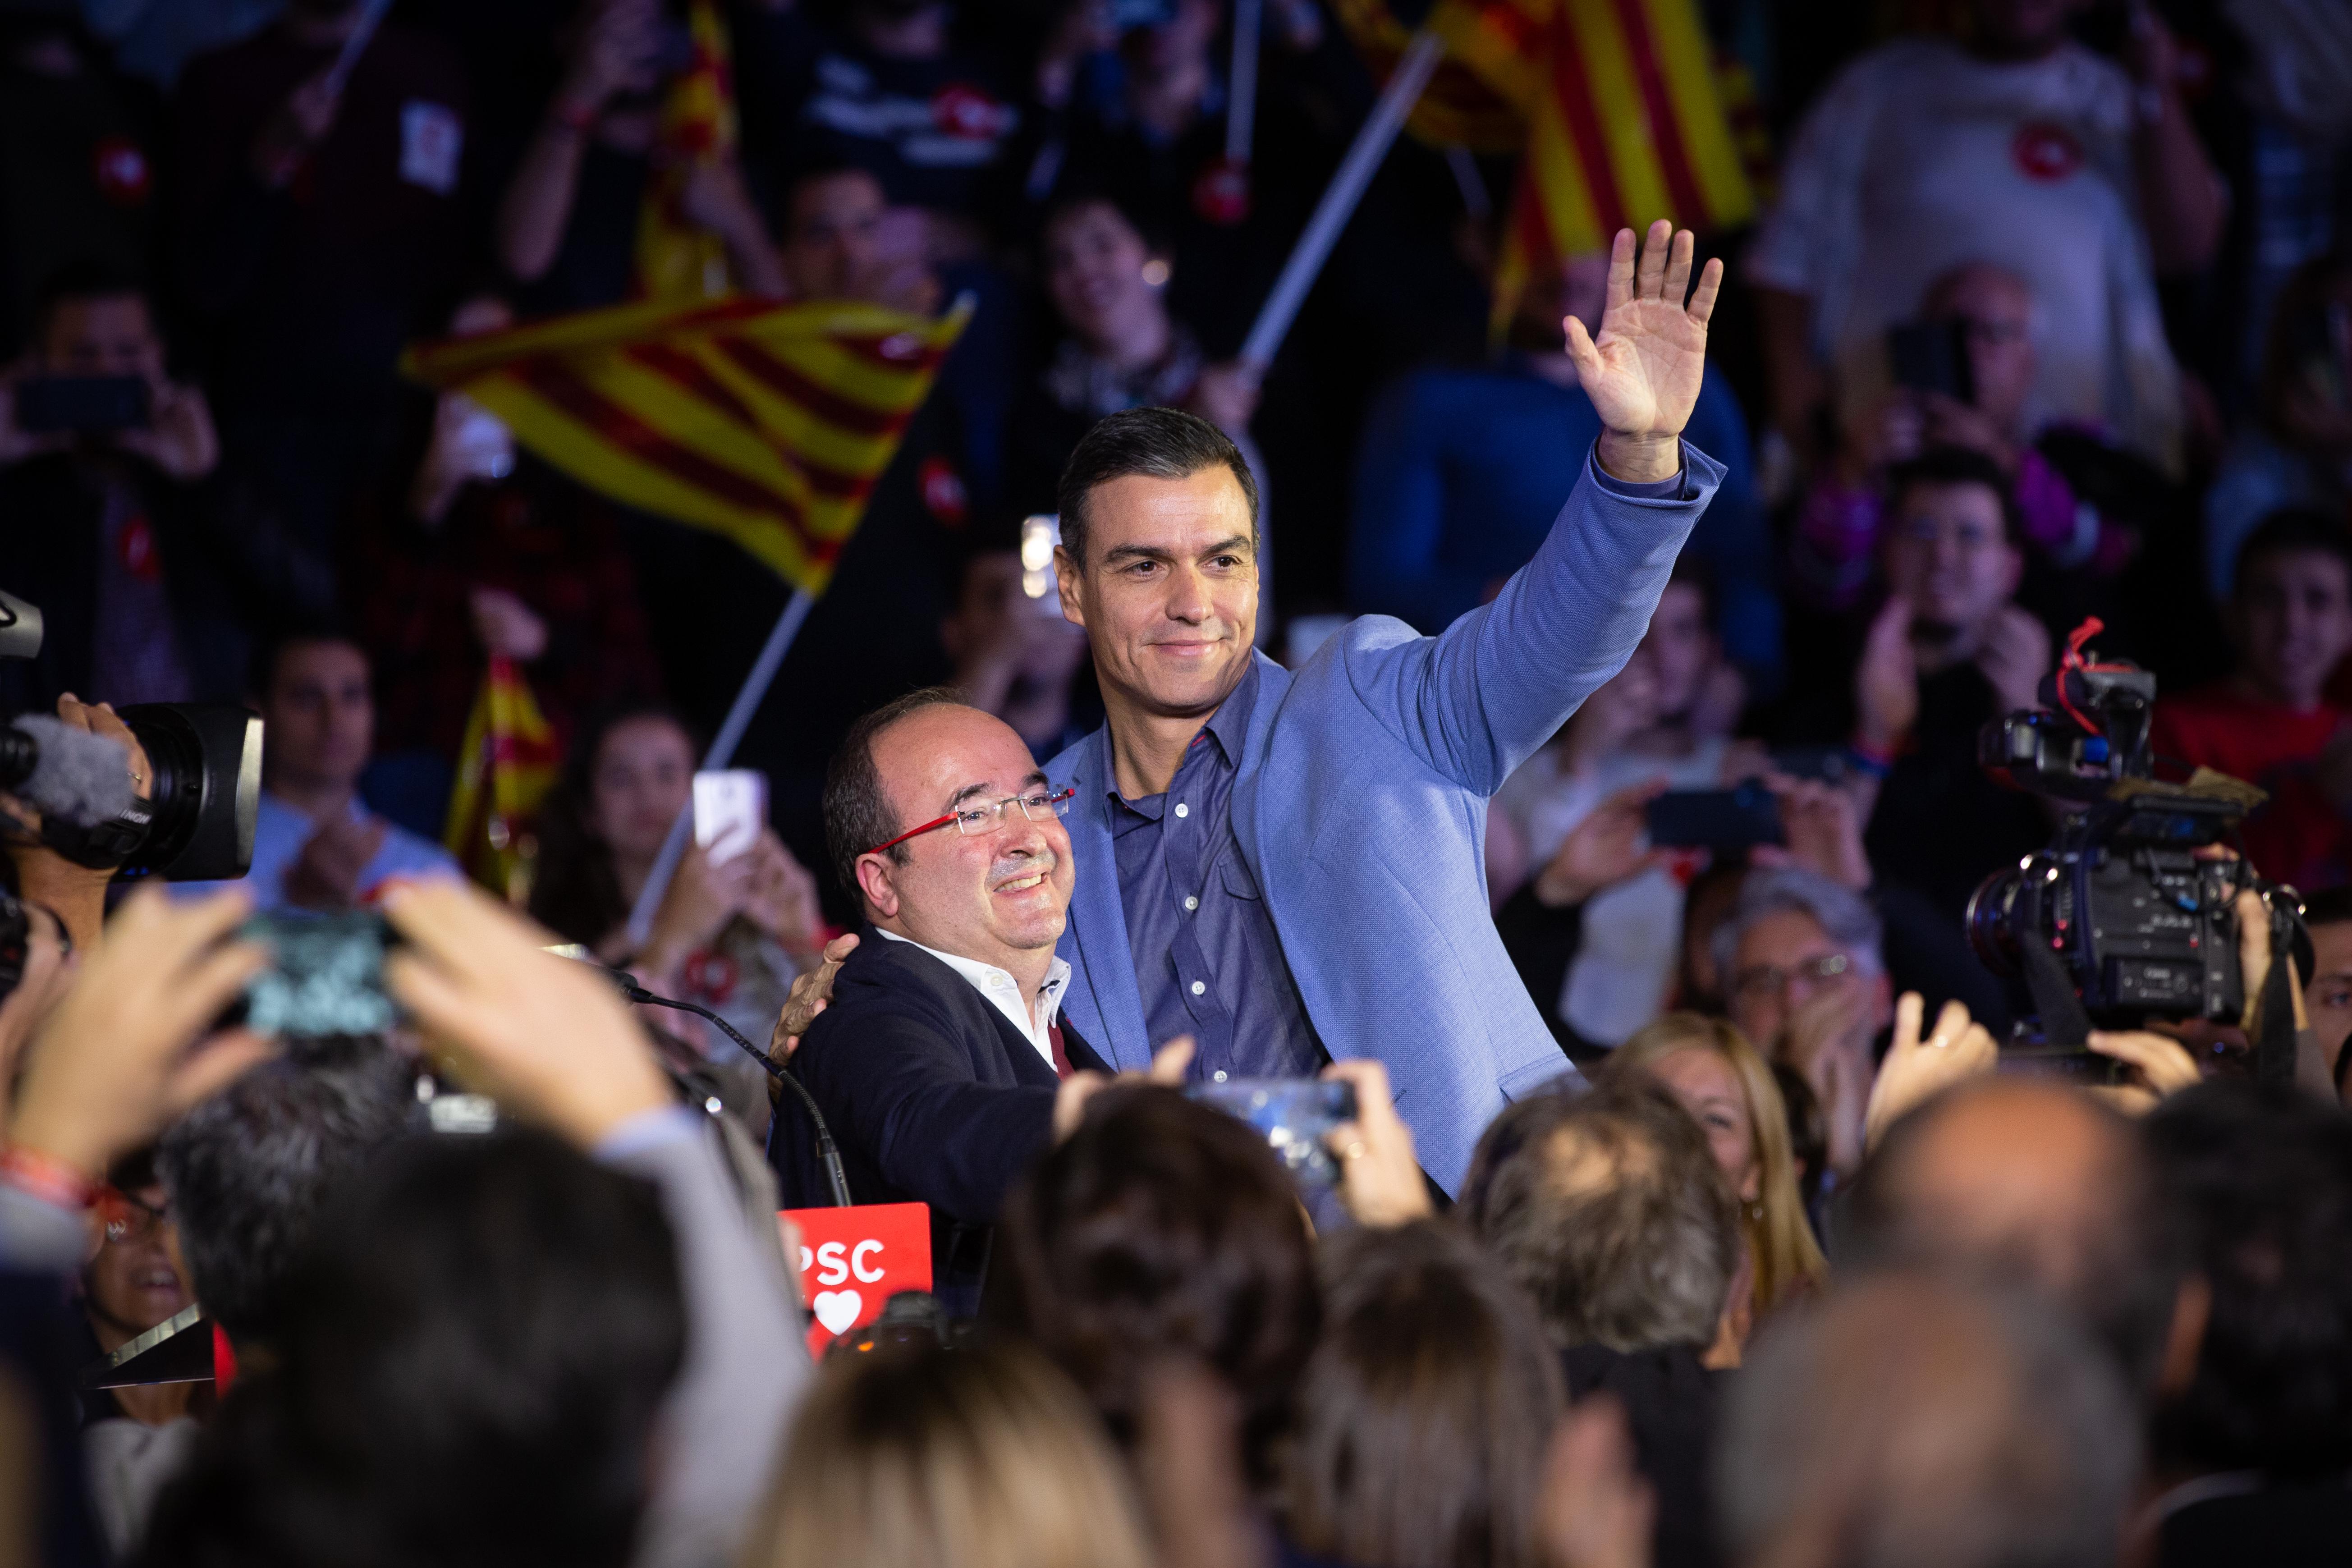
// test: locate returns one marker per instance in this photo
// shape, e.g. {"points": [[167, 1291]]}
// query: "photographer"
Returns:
{"points": [[118, 530]]}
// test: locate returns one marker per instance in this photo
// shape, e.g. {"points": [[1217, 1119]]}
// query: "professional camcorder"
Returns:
{"points": [[2120, 910], [197, 821]]}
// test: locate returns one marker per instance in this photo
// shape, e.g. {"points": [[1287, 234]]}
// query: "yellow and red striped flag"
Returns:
{"points": [[505, 768], [769, 424], [1629, 127], [677, 258], [1462, 106]]}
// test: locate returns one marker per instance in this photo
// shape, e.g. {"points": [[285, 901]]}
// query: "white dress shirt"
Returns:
{"points": [[1005, 991]]}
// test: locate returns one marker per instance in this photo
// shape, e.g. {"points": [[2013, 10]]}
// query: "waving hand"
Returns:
{"points": [[1643, 371]]}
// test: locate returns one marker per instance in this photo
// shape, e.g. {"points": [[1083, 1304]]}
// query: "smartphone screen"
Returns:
{"points": [[80, 404], [325, 976], [731, 807], [1933, 357], [1714, 819]]}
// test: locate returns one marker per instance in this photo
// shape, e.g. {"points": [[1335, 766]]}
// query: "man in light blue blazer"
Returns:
{"points": [[1289, 868]]}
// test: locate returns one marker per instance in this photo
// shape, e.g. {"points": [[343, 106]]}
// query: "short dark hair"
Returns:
{"points": [[2263, 1178], [1162, 1226], [857, 813], [1152, 443], [473, 1373], [270, 649], [1959, 466], [249, 1169], [2293, 531], [1641, 1263], [1426, 1410]]}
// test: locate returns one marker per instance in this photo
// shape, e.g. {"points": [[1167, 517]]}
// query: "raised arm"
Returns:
{"points": [[1478, 699]]}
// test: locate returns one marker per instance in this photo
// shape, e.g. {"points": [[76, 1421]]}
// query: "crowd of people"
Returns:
{"points": [[1539, 748]]}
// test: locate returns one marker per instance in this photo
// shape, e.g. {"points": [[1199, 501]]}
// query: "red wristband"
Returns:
{"points": [[46, 1177]]}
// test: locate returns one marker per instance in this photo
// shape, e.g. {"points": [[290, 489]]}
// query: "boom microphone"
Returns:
{"points": [[69, 774]]}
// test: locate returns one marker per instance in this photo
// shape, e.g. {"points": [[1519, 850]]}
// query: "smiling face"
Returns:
{"points": [[1096, 269], [135, 1280], [2294, 615], [1168, 591], [642, 776], [1709, 1090], [1000, 895]]}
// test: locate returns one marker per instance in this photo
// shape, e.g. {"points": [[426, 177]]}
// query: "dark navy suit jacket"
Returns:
{"points": [[932, 1093]]}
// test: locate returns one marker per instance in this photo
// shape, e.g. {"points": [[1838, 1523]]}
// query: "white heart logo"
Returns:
{"points": [[837, 1309]]}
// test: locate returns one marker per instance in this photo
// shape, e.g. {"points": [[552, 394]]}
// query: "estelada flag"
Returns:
{"points": [[505, 768], [1629, 128], [1462, 106], [769, 424], [677, 260]]}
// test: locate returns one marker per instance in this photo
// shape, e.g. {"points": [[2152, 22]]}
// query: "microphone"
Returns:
{"points": [[69, 774], [826, 1149]]}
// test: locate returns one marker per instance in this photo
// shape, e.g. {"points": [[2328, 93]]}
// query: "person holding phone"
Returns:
{"points": [[114, 510]]}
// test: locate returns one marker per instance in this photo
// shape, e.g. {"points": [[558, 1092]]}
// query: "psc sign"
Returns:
{"points": [[852, 1260]]}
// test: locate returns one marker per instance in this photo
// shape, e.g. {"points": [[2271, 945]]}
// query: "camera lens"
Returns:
{"points": [[1991, 921]]}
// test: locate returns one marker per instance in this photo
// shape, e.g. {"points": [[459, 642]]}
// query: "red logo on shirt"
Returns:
{"points": [[943, 490], [2046, 152], [134, 547], [1222, 194], [962, 111], [120, 170], [711, 976]]}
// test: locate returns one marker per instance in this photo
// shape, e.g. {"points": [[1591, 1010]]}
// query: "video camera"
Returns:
{"points": [[197, 821], [2120, 910]]}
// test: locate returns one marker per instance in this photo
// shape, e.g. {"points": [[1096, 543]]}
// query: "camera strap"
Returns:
{"points": [[2066, 1024]]}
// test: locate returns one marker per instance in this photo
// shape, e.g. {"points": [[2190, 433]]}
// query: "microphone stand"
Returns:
{"points": [[826, 1149]]}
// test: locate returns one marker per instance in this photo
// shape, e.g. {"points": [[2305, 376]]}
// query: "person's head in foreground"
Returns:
{"points": [[470, 1374], [1608, 1209], [1163, 1227], [2291, 605], [252, 1170], [1731, 1093], [2028, 1181], [983, 1457], [1425, 1411], [938, 816], [1159, 560], [2263, 1178], [1906, 1422]]}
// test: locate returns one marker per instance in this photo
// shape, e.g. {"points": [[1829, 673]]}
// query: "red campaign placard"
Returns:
{"points": [[852, 1260]]}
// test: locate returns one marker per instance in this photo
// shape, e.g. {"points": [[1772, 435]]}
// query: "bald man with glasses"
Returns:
{"points": [[941, 1055]]}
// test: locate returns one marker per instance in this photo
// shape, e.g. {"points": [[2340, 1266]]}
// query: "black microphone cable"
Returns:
{"points": [[826, 1149]]}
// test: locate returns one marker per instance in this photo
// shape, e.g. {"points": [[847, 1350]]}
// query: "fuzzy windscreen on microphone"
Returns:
{"points": [[82, 778]]}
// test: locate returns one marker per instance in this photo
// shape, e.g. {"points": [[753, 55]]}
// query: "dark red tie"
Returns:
{"points": [[1062, 1067]]}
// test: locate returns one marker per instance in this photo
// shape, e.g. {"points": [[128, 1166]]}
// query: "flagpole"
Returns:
{"points": [[1339, 198], [1241, 81], [722, 752]]}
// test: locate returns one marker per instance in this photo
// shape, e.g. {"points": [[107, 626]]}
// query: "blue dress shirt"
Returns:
{"points": [[280, 831], [1206, 956]]}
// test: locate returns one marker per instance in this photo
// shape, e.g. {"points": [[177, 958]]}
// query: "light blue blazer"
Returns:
{"points": [[1360, 808]]}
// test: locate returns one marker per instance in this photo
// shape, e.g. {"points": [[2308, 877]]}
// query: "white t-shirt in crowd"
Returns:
{"points": [[1919, 158]]}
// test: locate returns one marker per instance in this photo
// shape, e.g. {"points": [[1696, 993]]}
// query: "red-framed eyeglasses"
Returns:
{"points": [[986, 817]]}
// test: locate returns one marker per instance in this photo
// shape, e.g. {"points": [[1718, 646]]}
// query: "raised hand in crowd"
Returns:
{"points": [[617, 48], [133, 1042], [782, 899], [695, 908], [811, 992], [1823, 827], [1643, 368], [1886, 681], [2015, 655], [1380, 1180], [178, 437], [76, 894], [547, 1038], [1828, 1040], [326, 874], [1603, 849], [1169, 1063], [1916, 1070], [507, 626]]}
